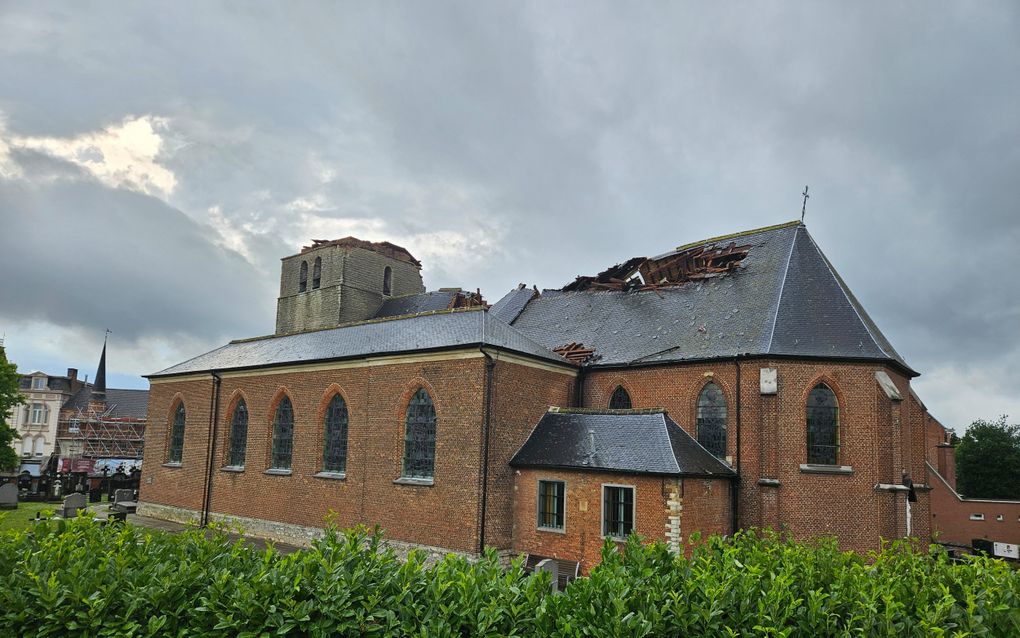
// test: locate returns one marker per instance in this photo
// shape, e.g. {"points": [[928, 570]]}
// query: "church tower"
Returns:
{"points": [[340, 281]]}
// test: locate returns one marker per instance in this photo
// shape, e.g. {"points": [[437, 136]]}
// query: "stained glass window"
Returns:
{"points": [[176, 452], [420, 437], [711, 420], [334, 457], [620, 399], [283, 435], [238, 435], [822, 426]]}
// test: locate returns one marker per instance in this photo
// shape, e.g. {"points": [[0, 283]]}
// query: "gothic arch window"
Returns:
{"points": [[334, 453], [387, 281], [238, 435], [317, 273], [711, 420], [620, 399], [822, 426], [176, 448], [420, 437], [303, 277], [283, 435]]}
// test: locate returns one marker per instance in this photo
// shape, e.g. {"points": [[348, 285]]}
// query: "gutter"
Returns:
{"points": [[735, 486], [490, 364], [214, 413]]}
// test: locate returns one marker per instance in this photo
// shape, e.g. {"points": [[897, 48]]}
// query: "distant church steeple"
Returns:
{"points": [[99, 385]]}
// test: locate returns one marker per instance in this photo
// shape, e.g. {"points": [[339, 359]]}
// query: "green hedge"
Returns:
{"points": [[85, 578]]}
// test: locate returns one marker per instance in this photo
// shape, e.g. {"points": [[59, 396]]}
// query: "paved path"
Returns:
{"points": [[169, 526]]}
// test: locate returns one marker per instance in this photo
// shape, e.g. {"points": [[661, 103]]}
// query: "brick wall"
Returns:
{"points": [[444, 514], [951, 516], [873, 435], [705, 509]]}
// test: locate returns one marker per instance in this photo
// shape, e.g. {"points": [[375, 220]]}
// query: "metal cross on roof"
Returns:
{"points": [[803, 208]]}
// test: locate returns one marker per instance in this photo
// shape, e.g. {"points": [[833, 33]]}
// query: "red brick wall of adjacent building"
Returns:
{"points": [[951, 517], [445, 514], [705, 510], [879, 439]]}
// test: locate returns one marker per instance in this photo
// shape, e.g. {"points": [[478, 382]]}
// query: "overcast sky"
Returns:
{"points": [[157, 160]]}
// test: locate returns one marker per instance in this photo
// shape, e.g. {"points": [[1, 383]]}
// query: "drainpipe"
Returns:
{"points": [[214, 413], [579, 387], [490, 364], [735, 485]]}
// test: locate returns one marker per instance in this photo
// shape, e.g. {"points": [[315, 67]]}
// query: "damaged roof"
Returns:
{"points": [[430, 331], [627, 441], [123, 404], [442, 299], [772, 292]]}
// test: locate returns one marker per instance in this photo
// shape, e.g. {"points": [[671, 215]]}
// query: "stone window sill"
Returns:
{"points": [[769, 482], [275, 471], [172, 465], [810, 468], [420, 482], [232, 468], [335, 476], [554, 530]]}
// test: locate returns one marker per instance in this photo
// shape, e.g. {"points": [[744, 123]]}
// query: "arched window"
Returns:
{"points": [[712, 420], [620, 399], [387, 281], [303, 277], [420, 437], [238, 435], [283, 435], [822, 426], [26, 446], [334, 453], [176, 451], [316, 273]]}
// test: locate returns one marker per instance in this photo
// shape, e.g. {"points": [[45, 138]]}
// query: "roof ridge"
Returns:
{"points": [[743, 233], [782, 288], [363, 322]]}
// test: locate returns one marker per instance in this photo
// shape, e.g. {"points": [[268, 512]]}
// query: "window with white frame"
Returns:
{"points": [[39, 383], [38, 413], [617, 510], [551, 502]]}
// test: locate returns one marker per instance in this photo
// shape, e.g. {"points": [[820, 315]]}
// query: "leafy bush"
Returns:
{"points": [[80, 577]]}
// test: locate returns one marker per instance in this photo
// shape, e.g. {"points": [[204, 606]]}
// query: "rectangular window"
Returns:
{"points": [[977, 517], [38, 410], [617, 510], [551, 497], [38, 383]]}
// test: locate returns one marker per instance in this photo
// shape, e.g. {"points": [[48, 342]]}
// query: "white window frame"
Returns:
{"points": [[39, 383], [38, 413], [633, 510], [538, 505], [977, 517]]}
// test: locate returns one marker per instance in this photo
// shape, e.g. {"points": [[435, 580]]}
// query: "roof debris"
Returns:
{"points": [[382, 247], [575, 352], [672, 269]]}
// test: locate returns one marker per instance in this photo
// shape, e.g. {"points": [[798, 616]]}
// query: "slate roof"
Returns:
{"points": [[53, 384], [440, 330], [413, 304], [512, 303], [627, 441], [784, 299], [125, 404]]}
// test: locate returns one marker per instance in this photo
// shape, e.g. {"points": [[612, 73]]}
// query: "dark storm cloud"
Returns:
{"points": [[552, 140]]}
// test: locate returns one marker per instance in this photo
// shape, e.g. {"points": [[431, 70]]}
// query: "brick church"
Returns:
{"points": [[729, 383]]}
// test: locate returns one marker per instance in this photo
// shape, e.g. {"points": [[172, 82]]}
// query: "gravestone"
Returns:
{"points": [[8, 496], [73, 503], [551, 566], [95, 496], [124, 501], [122, 495]]}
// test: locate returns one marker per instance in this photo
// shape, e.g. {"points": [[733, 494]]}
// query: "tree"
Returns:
{"points": [[988, 460], [10, 398]]}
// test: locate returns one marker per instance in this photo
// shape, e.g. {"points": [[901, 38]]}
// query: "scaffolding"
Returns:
{"points": [[95, 434]]}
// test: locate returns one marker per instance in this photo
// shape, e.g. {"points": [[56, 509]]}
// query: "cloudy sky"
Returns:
{"points": [[157, 160]]}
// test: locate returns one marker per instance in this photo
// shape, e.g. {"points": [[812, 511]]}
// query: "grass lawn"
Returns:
{"points": [[21, 518]]}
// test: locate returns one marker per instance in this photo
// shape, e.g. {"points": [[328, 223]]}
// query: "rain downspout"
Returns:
{"points": [[214, 414], [490, 364]]}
